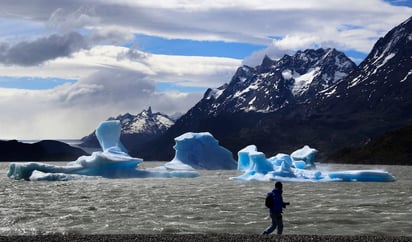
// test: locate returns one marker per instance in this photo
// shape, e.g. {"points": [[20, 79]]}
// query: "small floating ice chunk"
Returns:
{"points": [[176, 164], [362, 175]]}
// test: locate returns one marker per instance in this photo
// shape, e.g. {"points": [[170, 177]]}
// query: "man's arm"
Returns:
{"points": [[284, 204]]}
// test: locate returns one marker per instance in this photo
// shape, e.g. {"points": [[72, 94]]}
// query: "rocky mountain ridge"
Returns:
{"points": [[276, 84]]}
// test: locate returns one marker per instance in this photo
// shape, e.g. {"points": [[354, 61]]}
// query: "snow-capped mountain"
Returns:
{"points": [[383, 78], [276, 84], [136, 129], [146, 122], [316, 97], [272, 86]]}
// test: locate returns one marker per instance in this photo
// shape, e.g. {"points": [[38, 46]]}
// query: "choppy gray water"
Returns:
{"points": [[210, 203]]}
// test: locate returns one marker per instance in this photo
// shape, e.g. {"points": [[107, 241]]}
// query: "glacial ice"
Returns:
{"points": [[112, 162], [200, 151], [306, 155], [299, 166]]}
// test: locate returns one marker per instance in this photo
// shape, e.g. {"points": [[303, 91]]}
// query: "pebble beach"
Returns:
{"points": [[201, 237]]}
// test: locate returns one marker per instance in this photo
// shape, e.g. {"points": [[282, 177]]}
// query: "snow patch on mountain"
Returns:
{"points": [[303, 82], [287, 74], [407, 75], [253, 86], [384, 61], [339, 75], [214, 93], [329, 92]]}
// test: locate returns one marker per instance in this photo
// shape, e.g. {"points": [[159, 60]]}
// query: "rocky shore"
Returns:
{"points": [[201, 237]]}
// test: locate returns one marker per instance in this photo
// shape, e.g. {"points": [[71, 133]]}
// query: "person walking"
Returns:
{"points": [[274, 202]]}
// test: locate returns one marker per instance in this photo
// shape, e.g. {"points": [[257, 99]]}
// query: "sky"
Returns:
{"points": [[67, 65]]}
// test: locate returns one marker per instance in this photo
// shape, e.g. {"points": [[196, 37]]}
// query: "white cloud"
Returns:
{"points": [[67, 21], [110, 82], [272, 51], [296, 42]]}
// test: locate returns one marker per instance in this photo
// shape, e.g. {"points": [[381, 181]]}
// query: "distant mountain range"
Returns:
{"points": [[136, 129], [315, 97]]}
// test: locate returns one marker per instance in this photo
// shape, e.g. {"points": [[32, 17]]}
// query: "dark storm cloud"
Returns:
{"points": [[43, 49]]}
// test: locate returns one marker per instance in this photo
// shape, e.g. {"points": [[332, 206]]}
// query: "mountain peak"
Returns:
{"points": [[144, 123], [394, 41], [148, 111], [407, 22], [267, 62]]}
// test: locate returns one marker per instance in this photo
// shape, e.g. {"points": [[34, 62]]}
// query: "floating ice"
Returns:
{"points": [[244, 162], [307, 155], [112, 162], [200, 151], [362, 175], [108, 135], [299, 166]]}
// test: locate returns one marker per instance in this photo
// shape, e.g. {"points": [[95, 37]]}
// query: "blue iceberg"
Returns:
{"points": [[200, 151], [112, 162], [305, 157], [298, 166]]}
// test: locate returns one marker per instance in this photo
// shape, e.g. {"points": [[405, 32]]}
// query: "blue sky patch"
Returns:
{"points": [[32, 83], [185, 47], [407, 3], [356, 56], [171, 86]]}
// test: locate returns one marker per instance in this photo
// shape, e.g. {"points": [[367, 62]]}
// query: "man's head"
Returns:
{"points": [[279, 185]]}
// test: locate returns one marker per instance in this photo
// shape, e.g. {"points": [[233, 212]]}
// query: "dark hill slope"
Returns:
{"points": [[394, 147], [46, 150]]}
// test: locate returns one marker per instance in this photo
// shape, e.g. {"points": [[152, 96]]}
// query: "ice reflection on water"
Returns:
{"points": [[210, 203]]}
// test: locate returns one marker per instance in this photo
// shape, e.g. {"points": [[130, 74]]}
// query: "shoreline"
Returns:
{"points": [[201, 237]]}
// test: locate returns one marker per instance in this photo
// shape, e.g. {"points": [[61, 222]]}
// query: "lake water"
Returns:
{"points": [[210, 203]]}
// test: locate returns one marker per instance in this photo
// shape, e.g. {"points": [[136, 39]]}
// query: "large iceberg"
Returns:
{"points": [[112, 162], [299, 166], [200, 151]]}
